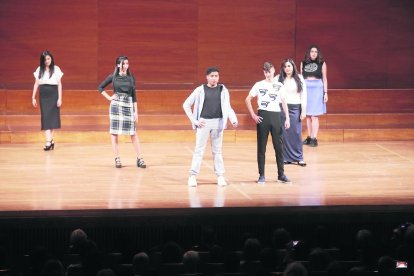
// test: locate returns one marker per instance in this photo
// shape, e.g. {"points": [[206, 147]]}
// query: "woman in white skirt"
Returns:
{"points": [[123, 110], [313, 68], [48, 80]]}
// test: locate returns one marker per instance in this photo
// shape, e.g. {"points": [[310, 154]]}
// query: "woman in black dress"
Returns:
{"points": [[123, 110], [48, 80]]}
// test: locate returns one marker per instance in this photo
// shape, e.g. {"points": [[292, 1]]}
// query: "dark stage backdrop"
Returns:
{"points": [[367, 44]]}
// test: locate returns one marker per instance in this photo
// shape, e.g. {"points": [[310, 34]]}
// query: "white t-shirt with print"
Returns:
{"points": [[269, 95], [54, 80]]}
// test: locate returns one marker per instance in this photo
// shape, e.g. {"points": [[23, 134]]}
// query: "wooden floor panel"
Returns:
{"points": [[82, 177]]}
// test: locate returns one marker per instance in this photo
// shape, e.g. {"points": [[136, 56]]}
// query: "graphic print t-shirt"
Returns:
{"points": [[269, 95]]}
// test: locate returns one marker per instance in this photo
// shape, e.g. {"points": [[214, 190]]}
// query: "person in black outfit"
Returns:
{"points": [[269, 93]]}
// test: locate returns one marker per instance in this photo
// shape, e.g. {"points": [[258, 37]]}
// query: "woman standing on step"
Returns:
{"points": [[123, 110], [313, 68], [48, 81]]}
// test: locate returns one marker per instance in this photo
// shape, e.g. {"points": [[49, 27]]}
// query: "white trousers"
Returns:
{"points": [[212, 129]]}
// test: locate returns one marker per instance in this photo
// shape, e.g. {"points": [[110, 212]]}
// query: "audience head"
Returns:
{"points": [[106, 272], [53, 268], [364, 239], [251, 249], [78, 236], [140, 262], [319, 259], [356, 271], [386, 266], [78, 240], [295, 269], [191, 260], [281, 237], [171, 253], [409, 236], [336, 268]]}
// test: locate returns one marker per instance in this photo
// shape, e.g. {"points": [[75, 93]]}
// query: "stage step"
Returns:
{"points": [[353, 115]]}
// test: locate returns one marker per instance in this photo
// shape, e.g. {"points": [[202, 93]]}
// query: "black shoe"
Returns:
{"points": [[283, 179], [314, 142], [118, 163], [307, 141], [261, 180], [141, 163], [50, 145]]}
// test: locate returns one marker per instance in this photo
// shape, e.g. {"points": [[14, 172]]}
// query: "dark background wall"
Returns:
{"points": [[367, 44]]}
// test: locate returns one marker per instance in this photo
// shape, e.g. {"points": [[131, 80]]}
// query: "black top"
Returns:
{"points": [[312, 69], [212, 103], [122, 84]]}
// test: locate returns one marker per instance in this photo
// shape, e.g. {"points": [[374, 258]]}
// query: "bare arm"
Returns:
{"points": [[136, 111], [106, 95], [59, 101], [325, 82], [257, 119], [303, 98], [286, 110], [35, 87]]}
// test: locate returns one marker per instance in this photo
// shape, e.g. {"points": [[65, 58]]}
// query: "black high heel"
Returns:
{"points": [[50, 147]]}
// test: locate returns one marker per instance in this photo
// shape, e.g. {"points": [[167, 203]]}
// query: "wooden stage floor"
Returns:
{"points": [[83, 177]]}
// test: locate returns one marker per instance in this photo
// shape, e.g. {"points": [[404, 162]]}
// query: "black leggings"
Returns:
{"points": [[272, 122]]}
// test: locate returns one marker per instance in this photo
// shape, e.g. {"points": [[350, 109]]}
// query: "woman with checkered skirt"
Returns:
{"points": [[123, 110]]}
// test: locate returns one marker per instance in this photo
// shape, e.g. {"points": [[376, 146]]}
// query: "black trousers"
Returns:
{"points": [[272, 122]]}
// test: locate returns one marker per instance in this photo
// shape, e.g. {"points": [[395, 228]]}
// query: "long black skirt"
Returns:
{"points": [[292, 137], [49, 111]]}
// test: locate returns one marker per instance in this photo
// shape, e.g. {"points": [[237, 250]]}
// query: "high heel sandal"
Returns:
{"points": [[51, 145]]}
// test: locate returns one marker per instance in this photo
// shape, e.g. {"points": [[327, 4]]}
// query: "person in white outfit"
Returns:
{"points": [[211, 110]]}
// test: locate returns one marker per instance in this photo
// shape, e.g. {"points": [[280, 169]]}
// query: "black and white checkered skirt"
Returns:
{"points": [[121, 115]]}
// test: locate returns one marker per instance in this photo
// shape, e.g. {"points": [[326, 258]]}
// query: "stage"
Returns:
{"points": [[82, 177], [347, 186]]}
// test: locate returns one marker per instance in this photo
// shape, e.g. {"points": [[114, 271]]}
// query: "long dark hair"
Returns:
{"points": [[119, 61], [319, 58], [42, 65], [295, 74]]}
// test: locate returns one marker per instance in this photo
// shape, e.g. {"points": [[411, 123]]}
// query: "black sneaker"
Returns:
{"points": [[283, 179], [261, 180], [118, 163], [141, 163], [314, 142], [307, 141]]}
